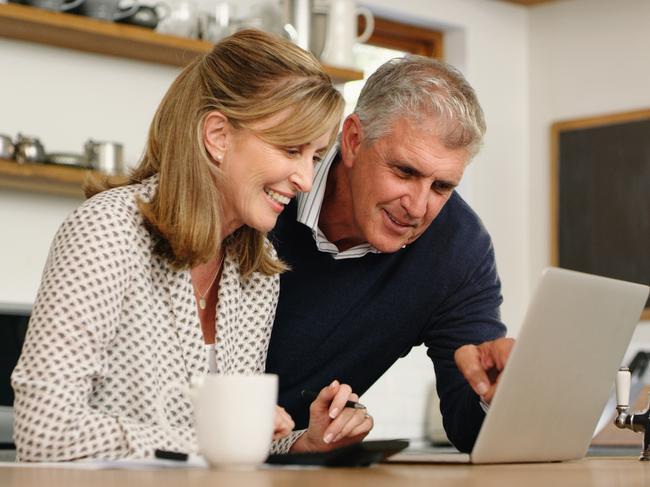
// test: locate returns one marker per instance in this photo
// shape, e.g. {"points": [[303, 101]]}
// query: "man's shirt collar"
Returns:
{"points": [[309, 206]]}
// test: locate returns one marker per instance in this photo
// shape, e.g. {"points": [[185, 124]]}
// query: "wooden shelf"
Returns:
{"points": [[91, 35], [43, 178]]}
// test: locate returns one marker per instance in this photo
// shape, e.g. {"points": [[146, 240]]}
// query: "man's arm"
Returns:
{"points": [[469, 316]]}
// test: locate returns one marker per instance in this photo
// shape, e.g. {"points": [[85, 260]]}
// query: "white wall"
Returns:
{"points": [[65, 97], [587, 57], [488, 41], [530, 67]]}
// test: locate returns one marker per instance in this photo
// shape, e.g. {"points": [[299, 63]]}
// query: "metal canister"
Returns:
{"points": [[106, 157]]}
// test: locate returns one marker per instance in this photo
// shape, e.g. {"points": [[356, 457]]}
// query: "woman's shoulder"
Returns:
{"points": [[123, 197], [122, 200], [114, 211]]}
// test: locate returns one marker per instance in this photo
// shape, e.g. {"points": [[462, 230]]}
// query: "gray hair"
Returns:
{"points": [[415, 87]]}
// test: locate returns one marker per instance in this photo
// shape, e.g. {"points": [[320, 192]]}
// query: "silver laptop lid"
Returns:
{"points": [[561, 369]]}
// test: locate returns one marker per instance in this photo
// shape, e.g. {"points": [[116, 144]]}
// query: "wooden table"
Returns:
{"points": [[595, 471]]}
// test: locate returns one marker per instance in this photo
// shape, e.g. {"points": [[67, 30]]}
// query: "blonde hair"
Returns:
{"points": [[248, 77]]}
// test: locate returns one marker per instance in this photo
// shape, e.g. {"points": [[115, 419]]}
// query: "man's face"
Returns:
{"points": [[400, 182]]}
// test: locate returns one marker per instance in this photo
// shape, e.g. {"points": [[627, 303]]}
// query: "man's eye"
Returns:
{"points": [[405, 171], [442, 188]]}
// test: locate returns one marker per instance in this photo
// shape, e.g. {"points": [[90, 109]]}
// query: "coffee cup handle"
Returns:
{"points": [[69, 6], [127, 13], [370, 24], [162, 414]]}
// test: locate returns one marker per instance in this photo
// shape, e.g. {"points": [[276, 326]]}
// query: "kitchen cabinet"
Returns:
{"points": [[87, 34]]}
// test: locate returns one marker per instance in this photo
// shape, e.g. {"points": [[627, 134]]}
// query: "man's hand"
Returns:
{"points": [[482, 364], [283, 423], [331, 424]]}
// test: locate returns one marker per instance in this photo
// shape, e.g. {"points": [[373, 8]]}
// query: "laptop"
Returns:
{"points": [[559, 374]]}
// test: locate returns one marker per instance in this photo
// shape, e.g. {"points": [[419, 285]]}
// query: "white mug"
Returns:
{"points": [[342, 32], [234, 417]]}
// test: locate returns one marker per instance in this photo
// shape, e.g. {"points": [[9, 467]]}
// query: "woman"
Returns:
{"points": [[170, 274]]}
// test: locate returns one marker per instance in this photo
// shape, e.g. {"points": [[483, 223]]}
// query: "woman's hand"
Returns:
{"points": [[283, 423], [331, 424]]}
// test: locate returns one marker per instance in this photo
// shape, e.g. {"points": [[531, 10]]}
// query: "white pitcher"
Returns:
{"points": [[342, 32]]}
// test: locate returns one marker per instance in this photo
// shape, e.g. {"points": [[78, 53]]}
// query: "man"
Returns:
{"points": [[385, 255]]}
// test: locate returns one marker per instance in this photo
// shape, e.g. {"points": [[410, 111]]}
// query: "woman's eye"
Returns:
{"points": [[317, 159], [292, 151]]}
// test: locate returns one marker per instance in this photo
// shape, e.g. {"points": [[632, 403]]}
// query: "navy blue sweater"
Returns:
{"points": [[351, 319]]}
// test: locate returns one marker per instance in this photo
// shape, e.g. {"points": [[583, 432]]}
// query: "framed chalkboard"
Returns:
{"points": [[600, 196]]}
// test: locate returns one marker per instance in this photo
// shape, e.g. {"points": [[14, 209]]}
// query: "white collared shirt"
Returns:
{"points": [[309, 206]]}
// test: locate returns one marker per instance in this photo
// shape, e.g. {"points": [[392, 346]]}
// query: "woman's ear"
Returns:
{"points": [[216, 133]]}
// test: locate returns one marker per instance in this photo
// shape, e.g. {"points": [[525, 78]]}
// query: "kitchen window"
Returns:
{"points": [[389, 39]]}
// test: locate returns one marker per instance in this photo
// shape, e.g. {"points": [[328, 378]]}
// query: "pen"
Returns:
{"points": [[311, 396]]}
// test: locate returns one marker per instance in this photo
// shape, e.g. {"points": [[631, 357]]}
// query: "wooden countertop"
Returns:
{"points": [[594, 471]]}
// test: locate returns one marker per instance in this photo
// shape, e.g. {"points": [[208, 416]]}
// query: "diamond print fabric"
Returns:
{"points": [[112, 324]]}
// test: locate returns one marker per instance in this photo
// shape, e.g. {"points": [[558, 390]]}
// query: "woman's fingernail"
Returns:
{"points": [[334, 383], [334, 412], [482, 388], [328, 438]]}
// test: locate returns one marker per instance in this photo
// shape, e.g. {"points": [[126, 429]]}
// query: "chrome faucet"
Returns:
{"points": [[637, 421]]}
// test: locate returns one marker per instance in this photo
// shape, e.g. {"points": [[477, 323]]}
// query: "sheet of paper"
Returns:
{"points": [[146, 464]]}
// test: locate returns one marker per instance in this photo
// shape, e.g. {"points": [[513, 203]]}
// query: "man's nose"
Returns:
{"points": [[416, 201]]}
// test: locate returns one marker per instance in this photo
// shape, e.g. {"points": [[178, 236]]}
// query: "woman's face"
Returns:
{"points": [[260, 178]]}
